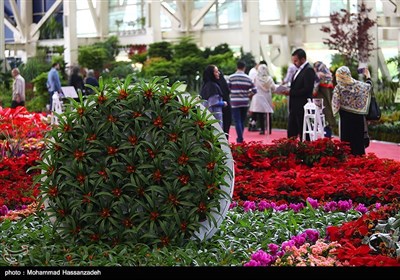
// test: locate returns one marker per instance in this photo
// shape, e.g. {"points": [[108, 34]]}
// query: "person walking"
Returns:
{"points": [[53, 82], [301, 88], [351, 100], [261, 105], [18, 93], [226, 110], [76, 79], [212, 93], [241, 86], [90, 80], [323, 88], [253, 74]]}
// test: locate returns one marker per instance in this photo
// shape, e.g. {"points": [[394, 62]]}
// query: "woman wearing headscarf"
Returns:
{"points": [[323, 88], [226, 110], [261, 104], [212, 93], [351, 99]]}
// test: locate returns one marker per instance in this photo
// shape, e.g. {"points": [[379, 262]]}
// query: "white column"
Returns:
{"points": [[2, 37], [290, 39], [398, 42], [251, 28], [26, 9], [373, 32], [102, 9], [153, 22], [70, 39]]}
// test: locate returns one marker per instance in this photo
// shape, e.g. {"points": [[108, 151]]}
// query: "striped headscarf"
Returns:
{"points": [[323, 74], [349, 94]]}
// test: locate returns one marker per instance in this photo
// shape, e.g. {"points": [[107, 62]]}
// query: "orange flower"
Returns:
{"points": [[122, 94]]}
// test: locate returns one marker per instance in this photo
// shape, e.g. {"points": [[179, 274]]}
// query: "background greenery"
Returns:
{"points": [[182, 61]]}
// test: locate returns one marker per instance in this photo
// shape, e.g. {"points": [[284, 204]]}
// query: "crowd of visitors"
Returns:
{"points": [[246, 99]]}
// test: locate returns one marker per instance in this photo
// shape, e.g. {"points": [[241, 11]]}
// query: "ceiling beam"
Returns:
{"points": [[19, 27], [46, 16]]}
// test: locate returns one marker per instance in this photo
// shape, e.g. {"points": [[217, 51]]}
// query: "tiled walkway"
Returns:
{"points": [[381, 149]]}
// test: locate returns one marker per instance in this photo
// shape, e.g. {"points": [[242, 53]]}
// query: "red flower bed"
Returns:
{"points": [[351, 235], [18, 123], [291, 171], [283, 172], [16, 182], [20, 145]]}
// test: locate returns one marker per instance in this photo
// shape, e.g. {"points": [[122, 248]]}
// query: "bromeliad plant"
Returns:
{"points": [[136, 162]]}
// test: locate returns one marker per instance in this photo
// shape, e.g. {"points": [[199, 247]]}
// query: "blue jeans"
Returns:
{"points": [[51, 99], [239, 117]]}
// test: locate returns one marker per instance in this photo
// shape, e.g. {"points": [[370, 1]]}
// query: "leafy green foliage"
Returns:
{"points": [[249, 59], [92, 57], [120, 69], [240, 235], [186, 47], [34, 67], [396, 62], [52, 29], [40, 82], [134, 162], [160, 67], [160, 49]]}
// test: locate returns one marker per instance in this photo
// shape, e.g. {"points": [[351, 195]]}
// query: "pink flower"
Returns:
{"points": [[3, 210]]}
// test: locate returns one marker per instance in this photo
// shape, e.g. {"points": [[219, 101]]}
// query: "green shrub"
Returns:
{"points": [[37, 103], [135, 162], [388, 131]]}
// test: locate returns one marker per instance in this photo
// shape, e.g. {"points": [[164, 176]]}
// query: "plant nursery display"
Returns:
{"points": [[124, 170]]}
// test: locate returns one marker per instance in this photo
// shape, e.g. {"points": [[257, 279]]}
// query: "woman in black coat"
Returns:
{"points": [[227, 110], [351, 99]]}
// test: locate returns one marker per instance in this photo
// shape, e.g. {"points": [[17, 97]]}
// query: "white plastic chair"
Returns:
{"points": [[56, 108], [314, 120]]}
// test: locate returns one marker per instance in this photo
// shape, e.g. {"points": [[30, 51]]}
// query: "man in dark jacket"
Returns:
{"points": [[301, 88]]}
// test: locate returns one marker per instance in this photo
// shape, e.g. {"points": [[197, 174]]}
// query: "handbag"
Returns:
{"points": [[374, 112]]}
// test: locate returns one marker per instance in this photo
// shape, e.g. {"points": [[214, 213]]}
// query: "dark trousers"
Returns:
{"points": [[15, 104], [295, 124], [326, 95], [226, 119], [352, 131], [51, 99], [239, 116], [261, 119]]}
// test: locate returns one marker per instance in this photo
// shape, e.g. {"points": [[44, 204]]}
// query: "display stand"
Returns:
{"points": [[314, 120], [56, 108]]}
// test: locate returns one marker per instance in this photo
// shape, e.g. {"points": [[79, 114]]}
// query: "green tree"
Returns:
{"points": [[110, 46], [396, 61], [160, 67], [248, 58], [185, 47], [92, 57], [160, 49]]}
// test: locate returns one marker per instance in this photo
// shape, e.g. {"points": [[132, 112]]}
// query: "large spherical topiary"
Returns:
{"points": [[140, 162]]}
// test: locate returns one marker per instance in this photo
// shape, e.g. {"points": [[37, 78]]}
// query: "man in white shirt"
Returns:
{"points": [[18, 94]]}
